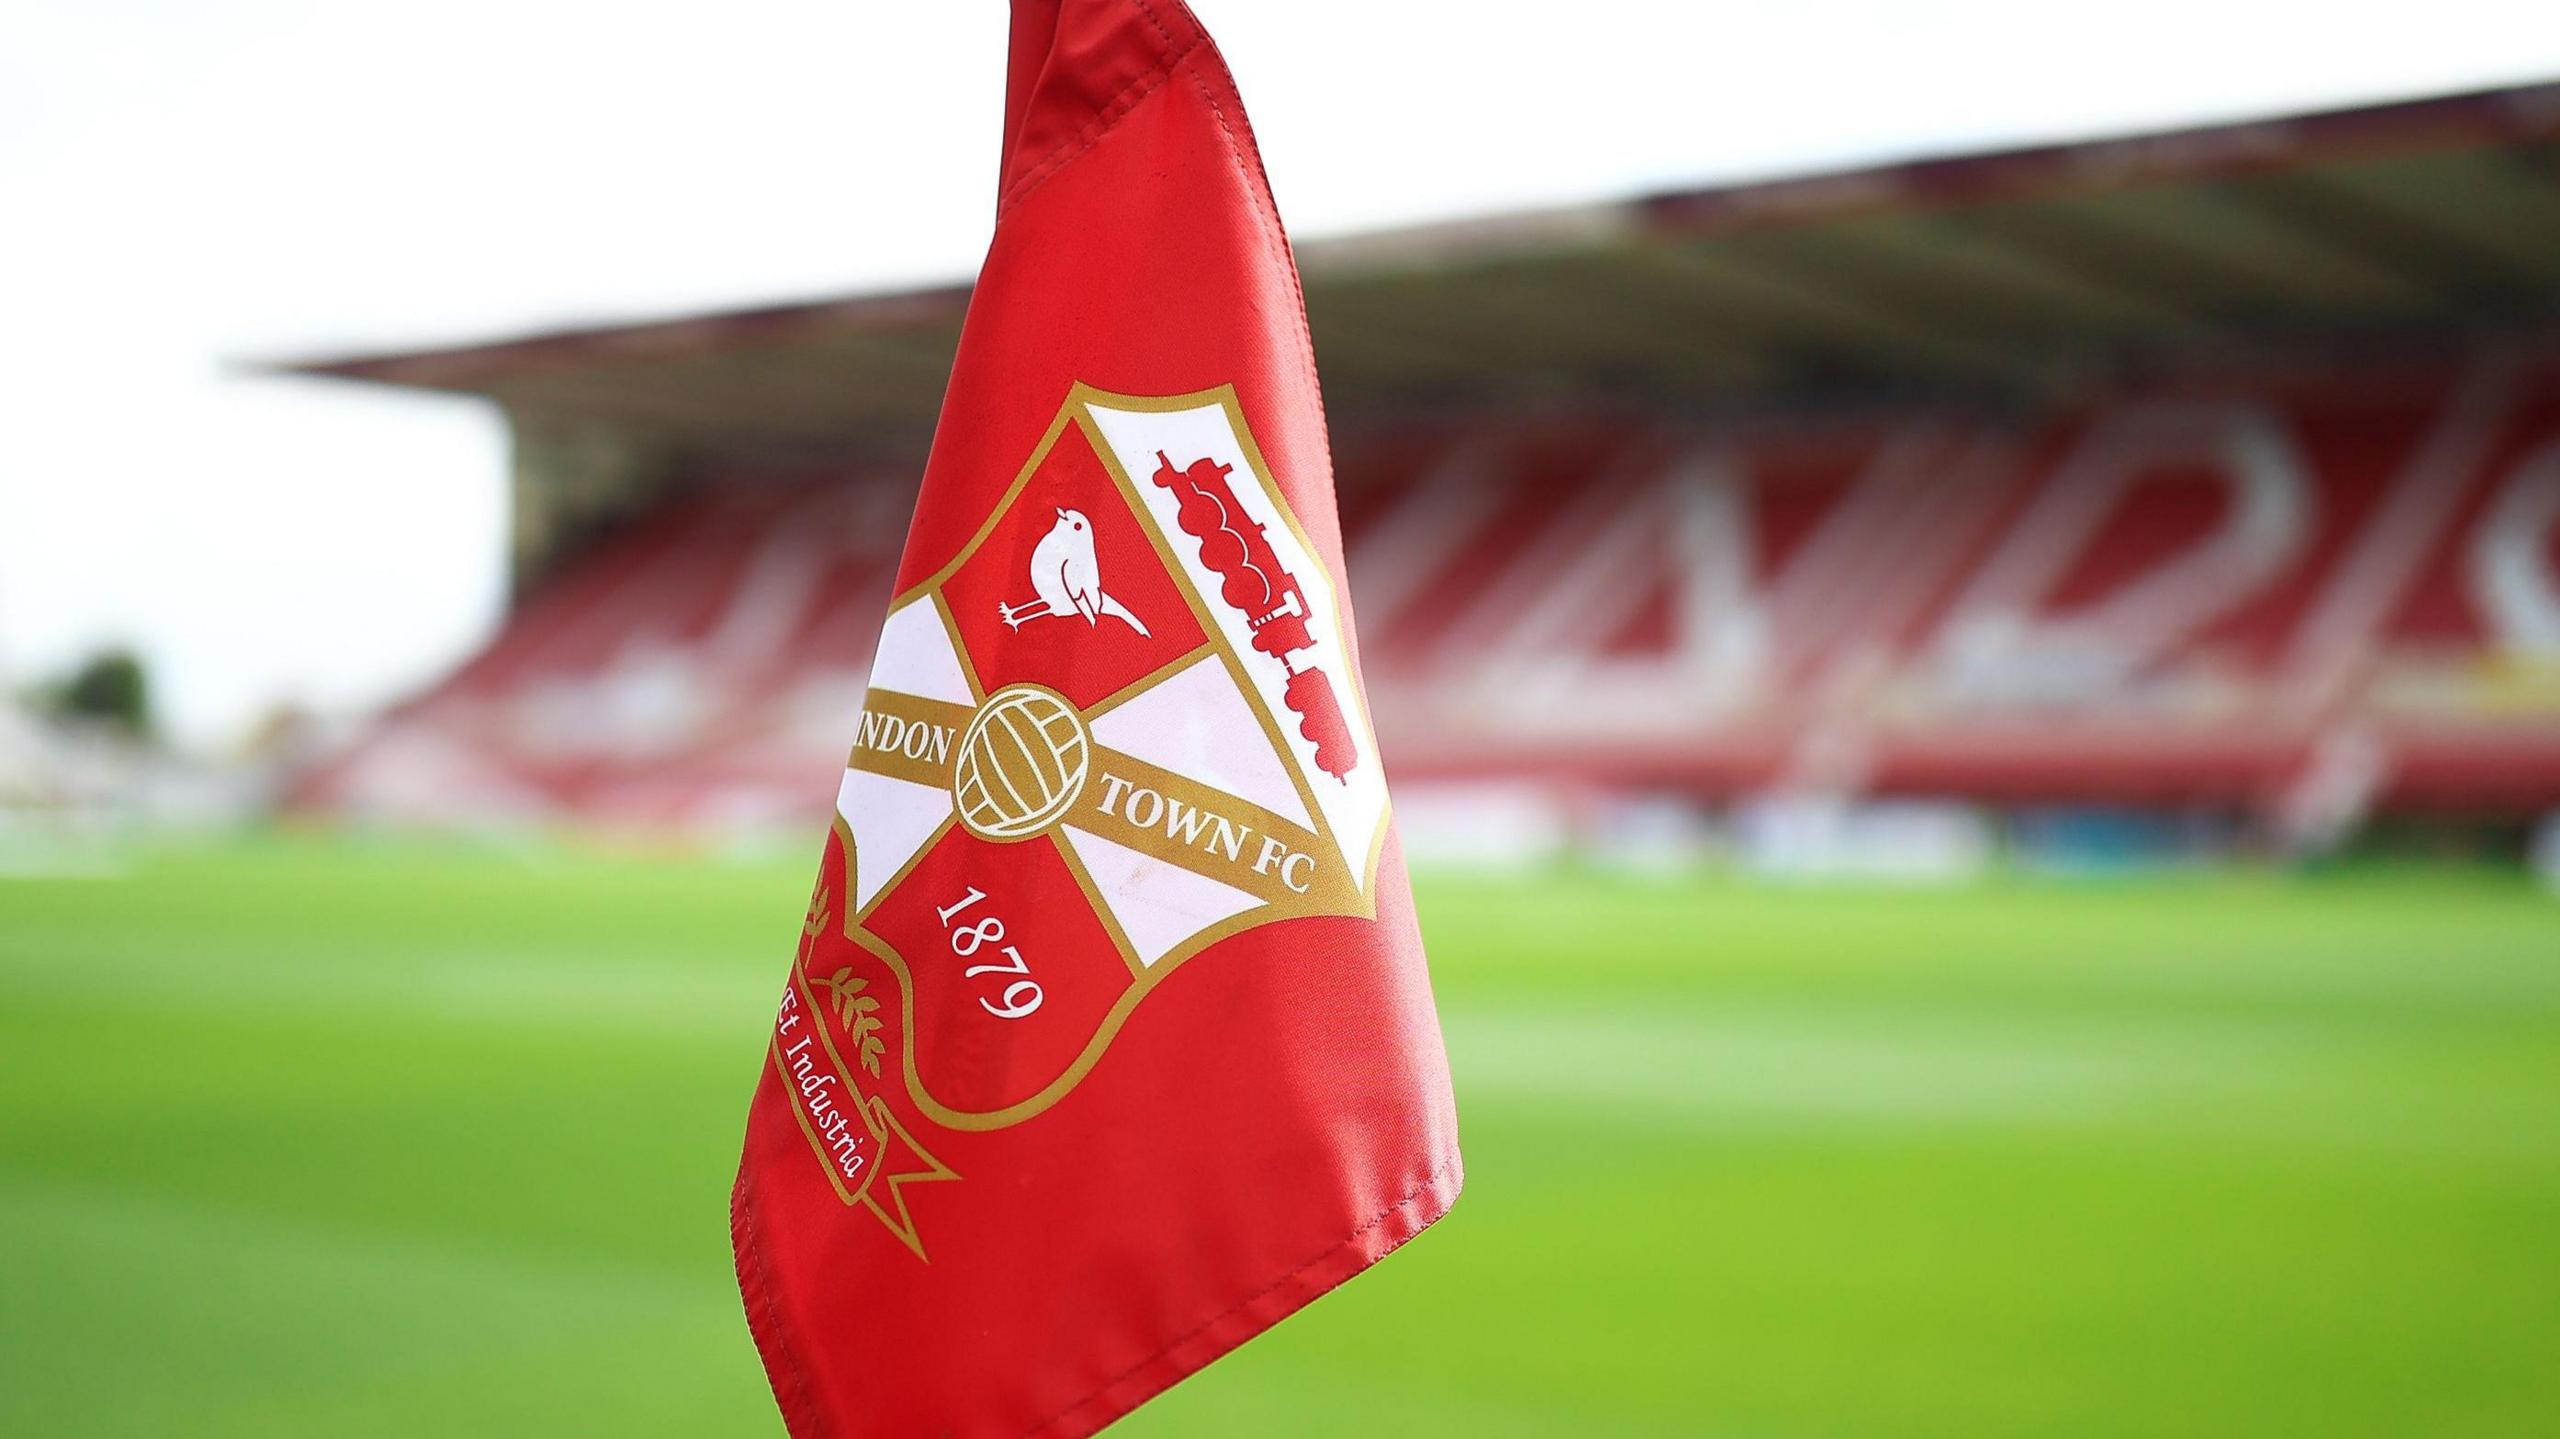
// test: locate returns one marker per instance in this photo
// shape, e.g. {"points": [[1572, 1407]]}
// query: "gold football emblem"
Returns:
{"points": [[1022, 763]]}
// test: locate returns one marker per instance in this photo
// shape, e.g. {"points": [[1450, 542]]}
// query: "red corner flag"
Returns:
{"points": [[1109, 1042]]}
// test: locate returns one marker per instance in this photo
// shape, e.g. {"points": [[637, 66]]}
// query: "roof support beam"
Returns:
{"points": [[2463, 274]]}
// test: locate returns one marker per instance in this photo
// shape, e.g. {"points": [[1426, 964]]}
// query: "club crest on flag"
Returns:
{"points": [[1119, 726]]}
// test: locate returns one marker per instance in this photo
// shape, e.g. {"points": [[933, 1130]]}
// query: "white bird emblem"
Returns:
{"points": [[1067, 578]]}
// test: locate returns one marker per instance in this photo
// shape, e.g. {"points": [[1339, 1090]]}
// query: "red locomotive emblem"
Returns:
{"points": [[1256, 585]]}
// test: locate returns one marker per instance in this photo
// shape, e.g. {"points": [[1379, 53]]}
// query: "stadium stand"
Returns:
{"points": [[2214, 468]]}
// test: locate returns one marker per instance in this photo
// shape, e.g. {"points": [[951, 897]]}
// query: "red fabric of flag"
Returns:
{"points": [[1108, 1043]]}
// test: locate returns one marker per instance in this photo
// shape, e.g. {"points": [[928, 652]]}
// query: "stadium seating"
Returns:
{"points": [[2303, 588]]}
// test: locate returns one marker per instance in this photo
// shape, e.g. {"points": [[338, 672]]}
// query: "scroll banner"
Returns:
{"points": [[830, 1037]]}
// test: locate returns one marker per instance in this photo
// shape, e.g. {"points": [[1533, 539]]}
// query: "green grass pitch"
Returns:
{"points": [[300, 1138]]}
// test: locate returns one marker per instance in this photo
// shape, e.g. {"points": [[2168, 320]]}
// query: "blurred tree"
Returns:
{"points": [[111, 686]]}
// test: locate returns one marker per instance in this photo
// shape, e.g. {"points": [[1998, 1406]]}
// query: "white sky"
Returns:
{"points": [[183, 184]]}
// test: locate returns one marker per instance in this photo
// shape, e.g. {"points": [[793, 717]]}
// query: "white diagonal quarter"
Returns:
{"points": [[891, 819], [1157, 905], [1196, 724], [915, 656], [1354, 806]]}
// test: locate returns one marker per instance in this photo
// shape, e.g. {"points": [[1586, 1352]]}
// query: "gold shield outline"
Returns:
{"points": [[1358, 900]]}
